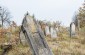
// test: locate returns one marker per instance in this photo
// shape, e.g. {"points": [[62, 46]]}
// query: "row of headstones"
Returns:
{"points": [[53, 32]]}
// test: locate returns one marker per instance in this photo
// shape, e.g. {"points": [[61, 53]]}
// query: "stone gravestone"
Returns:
{"points": [[34, 36], [13, 26], [47, 31], [72, 29], [23, 39], [53, 32]]}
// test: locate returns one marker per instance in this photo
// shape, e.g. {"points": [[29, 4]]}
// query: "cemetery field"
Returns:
{"points": [[62, 45], [47, 28], [13, 42], [66, 45]]}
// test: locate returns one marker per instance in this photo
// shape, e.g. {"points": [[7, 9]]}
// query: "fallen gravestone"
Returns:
{"points": [[34, 36]]}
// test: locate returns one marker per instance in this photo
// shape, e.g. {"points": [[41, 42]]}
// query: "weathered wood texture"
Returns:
{"points": [[35, 37]]}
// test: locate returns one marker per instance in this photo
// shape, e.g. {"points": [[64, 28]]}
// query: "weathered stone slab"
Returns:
{"points": [[23, 39], [34, 36], [72, 29], [30, 23], [47, 30], [53, 32]]}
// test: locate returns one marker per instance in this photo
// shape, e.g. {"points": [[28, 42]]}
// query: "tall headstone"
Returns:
{"points": [[72, 29], [47, 30], [53, 32], [34, 36]]}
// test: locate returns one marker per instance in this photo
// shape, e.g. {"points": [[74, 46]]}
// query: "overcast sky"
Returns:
{"points": [[50, 10]]}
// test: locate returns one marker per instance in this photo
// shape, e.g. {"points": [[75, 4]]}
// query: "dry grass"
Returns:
{"points": [[20, 50], [62, 45]]}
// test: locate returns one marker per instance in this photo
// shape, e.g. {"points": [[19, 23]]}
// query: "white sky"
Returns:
{"points": [[50, 10]]}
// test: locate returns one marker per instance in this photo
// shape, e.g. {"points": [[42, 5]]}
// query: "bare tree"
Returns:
{"points": [[4, 16]]}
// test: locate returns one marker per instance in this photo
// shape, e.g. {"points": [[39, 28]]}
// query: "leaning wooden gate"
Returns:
{"points": [[35, 38]]}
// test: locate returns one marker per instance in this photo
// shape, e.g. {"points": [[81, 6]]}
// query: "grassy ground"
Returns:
{"points": [[20, 50], [62, 45], [66, 45]]}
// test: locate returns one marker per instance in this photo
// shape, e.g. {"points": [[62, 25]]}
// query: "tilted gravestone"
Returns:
{"points": [[72, 29], [53, 32], [34, 36], [47, 30]]}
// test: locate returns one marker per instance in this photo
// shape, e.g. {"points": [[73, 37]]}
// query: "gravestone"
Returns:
{"points": [[53, 32], [23, 39], [72, 29], [47, 30], [13, 26], [34, 36]]}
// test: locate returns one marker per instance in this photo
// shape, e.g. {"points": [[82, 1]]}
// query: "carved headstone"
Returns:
{"points": [[47, 30], [53, 32], [34, 36], [72, 29]]}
